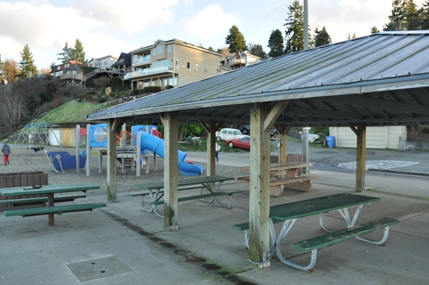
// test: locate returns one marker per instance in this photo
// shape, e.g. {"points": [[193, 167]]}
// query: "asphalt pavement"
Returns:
{"points": [[121, 244]]}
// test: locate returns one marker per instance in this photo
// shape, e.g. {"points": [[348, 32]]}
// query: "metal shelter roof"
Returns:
{"points": [[381, 79]]}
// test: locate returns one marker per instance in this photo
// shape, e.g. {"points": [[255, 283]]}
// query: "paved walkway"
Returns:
{"points": [[121, 244]]}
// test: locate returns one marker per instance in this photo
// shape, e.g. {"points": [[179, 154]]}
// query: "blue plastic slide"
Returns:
{"points": [[156, 145]]}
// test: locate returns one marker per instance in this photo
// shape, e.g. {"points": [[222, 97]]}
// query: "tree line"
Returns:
{"points": [[26, 96], [405, 15]]}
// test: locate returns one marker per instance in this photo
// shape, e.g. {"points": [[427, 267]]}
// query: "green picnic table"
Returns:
{"points": [[49, 191], [210, 183], [288, 213]]}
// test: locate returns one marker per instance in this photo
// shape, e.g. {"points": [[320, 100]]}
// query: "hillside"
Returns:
{"points": [[70, 112]]}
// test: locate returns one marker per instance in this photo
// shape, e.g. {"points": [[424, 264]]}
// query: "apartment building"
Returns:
{"points": [[173, 62]]}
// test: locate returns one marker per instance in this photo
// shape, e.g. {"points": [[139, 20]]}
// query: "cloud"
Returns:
{"points": [[210, 22], [127, 16]]}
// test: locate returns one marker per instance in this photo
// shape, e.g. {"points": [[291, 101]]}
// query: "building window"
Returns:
{"points": [[169, 48], [177, 64], [206, 70], [182, 81], [154, 51], [188, 66], [196, 67], [160, 50]]}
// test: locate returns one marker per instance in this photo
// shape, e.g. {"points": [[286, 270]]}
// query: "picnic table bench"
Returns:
{"points": [[288, 213], [284, 175], [210, 183], [49, 191]]}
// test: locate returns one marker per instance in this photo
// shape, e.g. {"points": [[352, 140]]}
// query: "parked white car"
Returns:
{"points": [[228, 134]]}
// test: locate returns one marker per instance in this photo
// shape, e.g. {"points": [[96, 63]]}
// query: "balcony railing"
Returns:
{"points": [[72, 76], [141, 60], [148, 71]]}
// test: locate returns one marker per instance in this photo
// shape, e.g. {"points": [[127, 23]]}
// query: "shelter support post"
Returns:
{"points": [[171, 171], [360, 157], [77, 146], [112, 187], [261, 120], [211, 127], [282, 131]]}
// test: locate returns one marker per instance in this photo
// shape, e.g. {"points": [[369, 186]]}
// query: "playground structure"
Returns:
{"points": [[36, 137], [148, 138]]}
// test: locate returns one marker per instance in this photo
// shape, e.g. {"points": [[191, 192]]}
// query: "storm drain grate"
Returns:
{"points": [[98, 268]]}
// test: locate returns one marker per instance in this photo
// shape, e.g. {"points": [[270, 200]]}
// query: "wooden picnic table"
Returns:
{"points": [[210, 183], [49, 191], [288, 213], [285, 175]]}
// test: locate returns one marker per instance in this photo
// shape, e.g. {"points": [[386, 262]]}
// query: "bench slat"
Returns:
{"points": [[55, 209], [245, 226], [196, 197], [342, 235], [294, 180], [65, 198]]}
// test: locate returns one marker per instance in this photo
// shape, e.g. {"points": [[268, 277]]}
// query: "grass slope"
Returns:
{"points": [[70, 112]]}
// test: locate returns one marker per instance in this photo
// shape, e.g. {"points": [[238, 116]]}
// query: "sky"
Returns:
{"points": [[109, 27]]}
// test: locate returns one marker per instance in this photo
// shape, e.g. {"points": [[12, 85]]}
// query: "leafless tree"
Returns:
{"points": [[102, 82]]}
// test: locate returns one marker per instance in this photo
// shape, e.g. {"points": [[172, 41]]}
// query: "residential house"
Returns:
{"points": [[173, 62], [102, 63], [239, 59]]}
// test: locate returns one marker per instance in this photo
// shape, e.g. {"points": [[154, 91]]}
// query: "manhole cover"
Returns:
{"points": [[98, 268]]}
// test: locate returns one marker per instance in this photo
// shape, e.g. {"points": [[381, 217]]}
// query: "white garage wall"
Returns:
{"points": [[376, 137]]}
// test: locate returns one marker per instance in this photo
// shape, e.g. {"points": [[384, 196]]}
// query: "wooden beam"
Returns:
{"points": [[274, 114], [282, 131], [112, 187], [353, 129], [360, 157], [171, 170], [211, 153], [259, 204]]}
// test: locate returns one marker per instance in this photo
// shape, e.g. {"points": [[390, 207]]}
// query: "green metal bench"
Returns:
{"points": [[196, 197], [53, 210], [65, 198], [201, 197], [313, 244]]}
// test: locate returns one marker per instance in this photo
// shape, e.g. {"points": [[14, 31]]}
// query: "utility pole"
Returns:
{"points": [[305, 146]]}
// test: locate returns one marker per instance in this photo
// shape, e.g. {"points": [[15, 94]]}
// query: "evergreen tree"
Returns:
{"points": [[256, 49], [65, 55], [236, 40], [424, 16], [321, 37], [374, 30], [411, 20], [78, 52], [395, 19], [351, 37], [295, 28], [27, 66], [276, 43]]}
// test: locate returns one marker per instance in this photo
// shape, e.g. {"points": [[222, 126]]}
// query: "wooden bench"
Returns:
{"points": [[284, 175], [313, 244], [35, 200], [302, 183], [53, 210]]}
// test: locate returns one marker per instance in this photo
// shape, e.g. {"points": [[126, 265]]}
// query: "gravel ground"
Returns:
{"points": [[39, 162]]}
